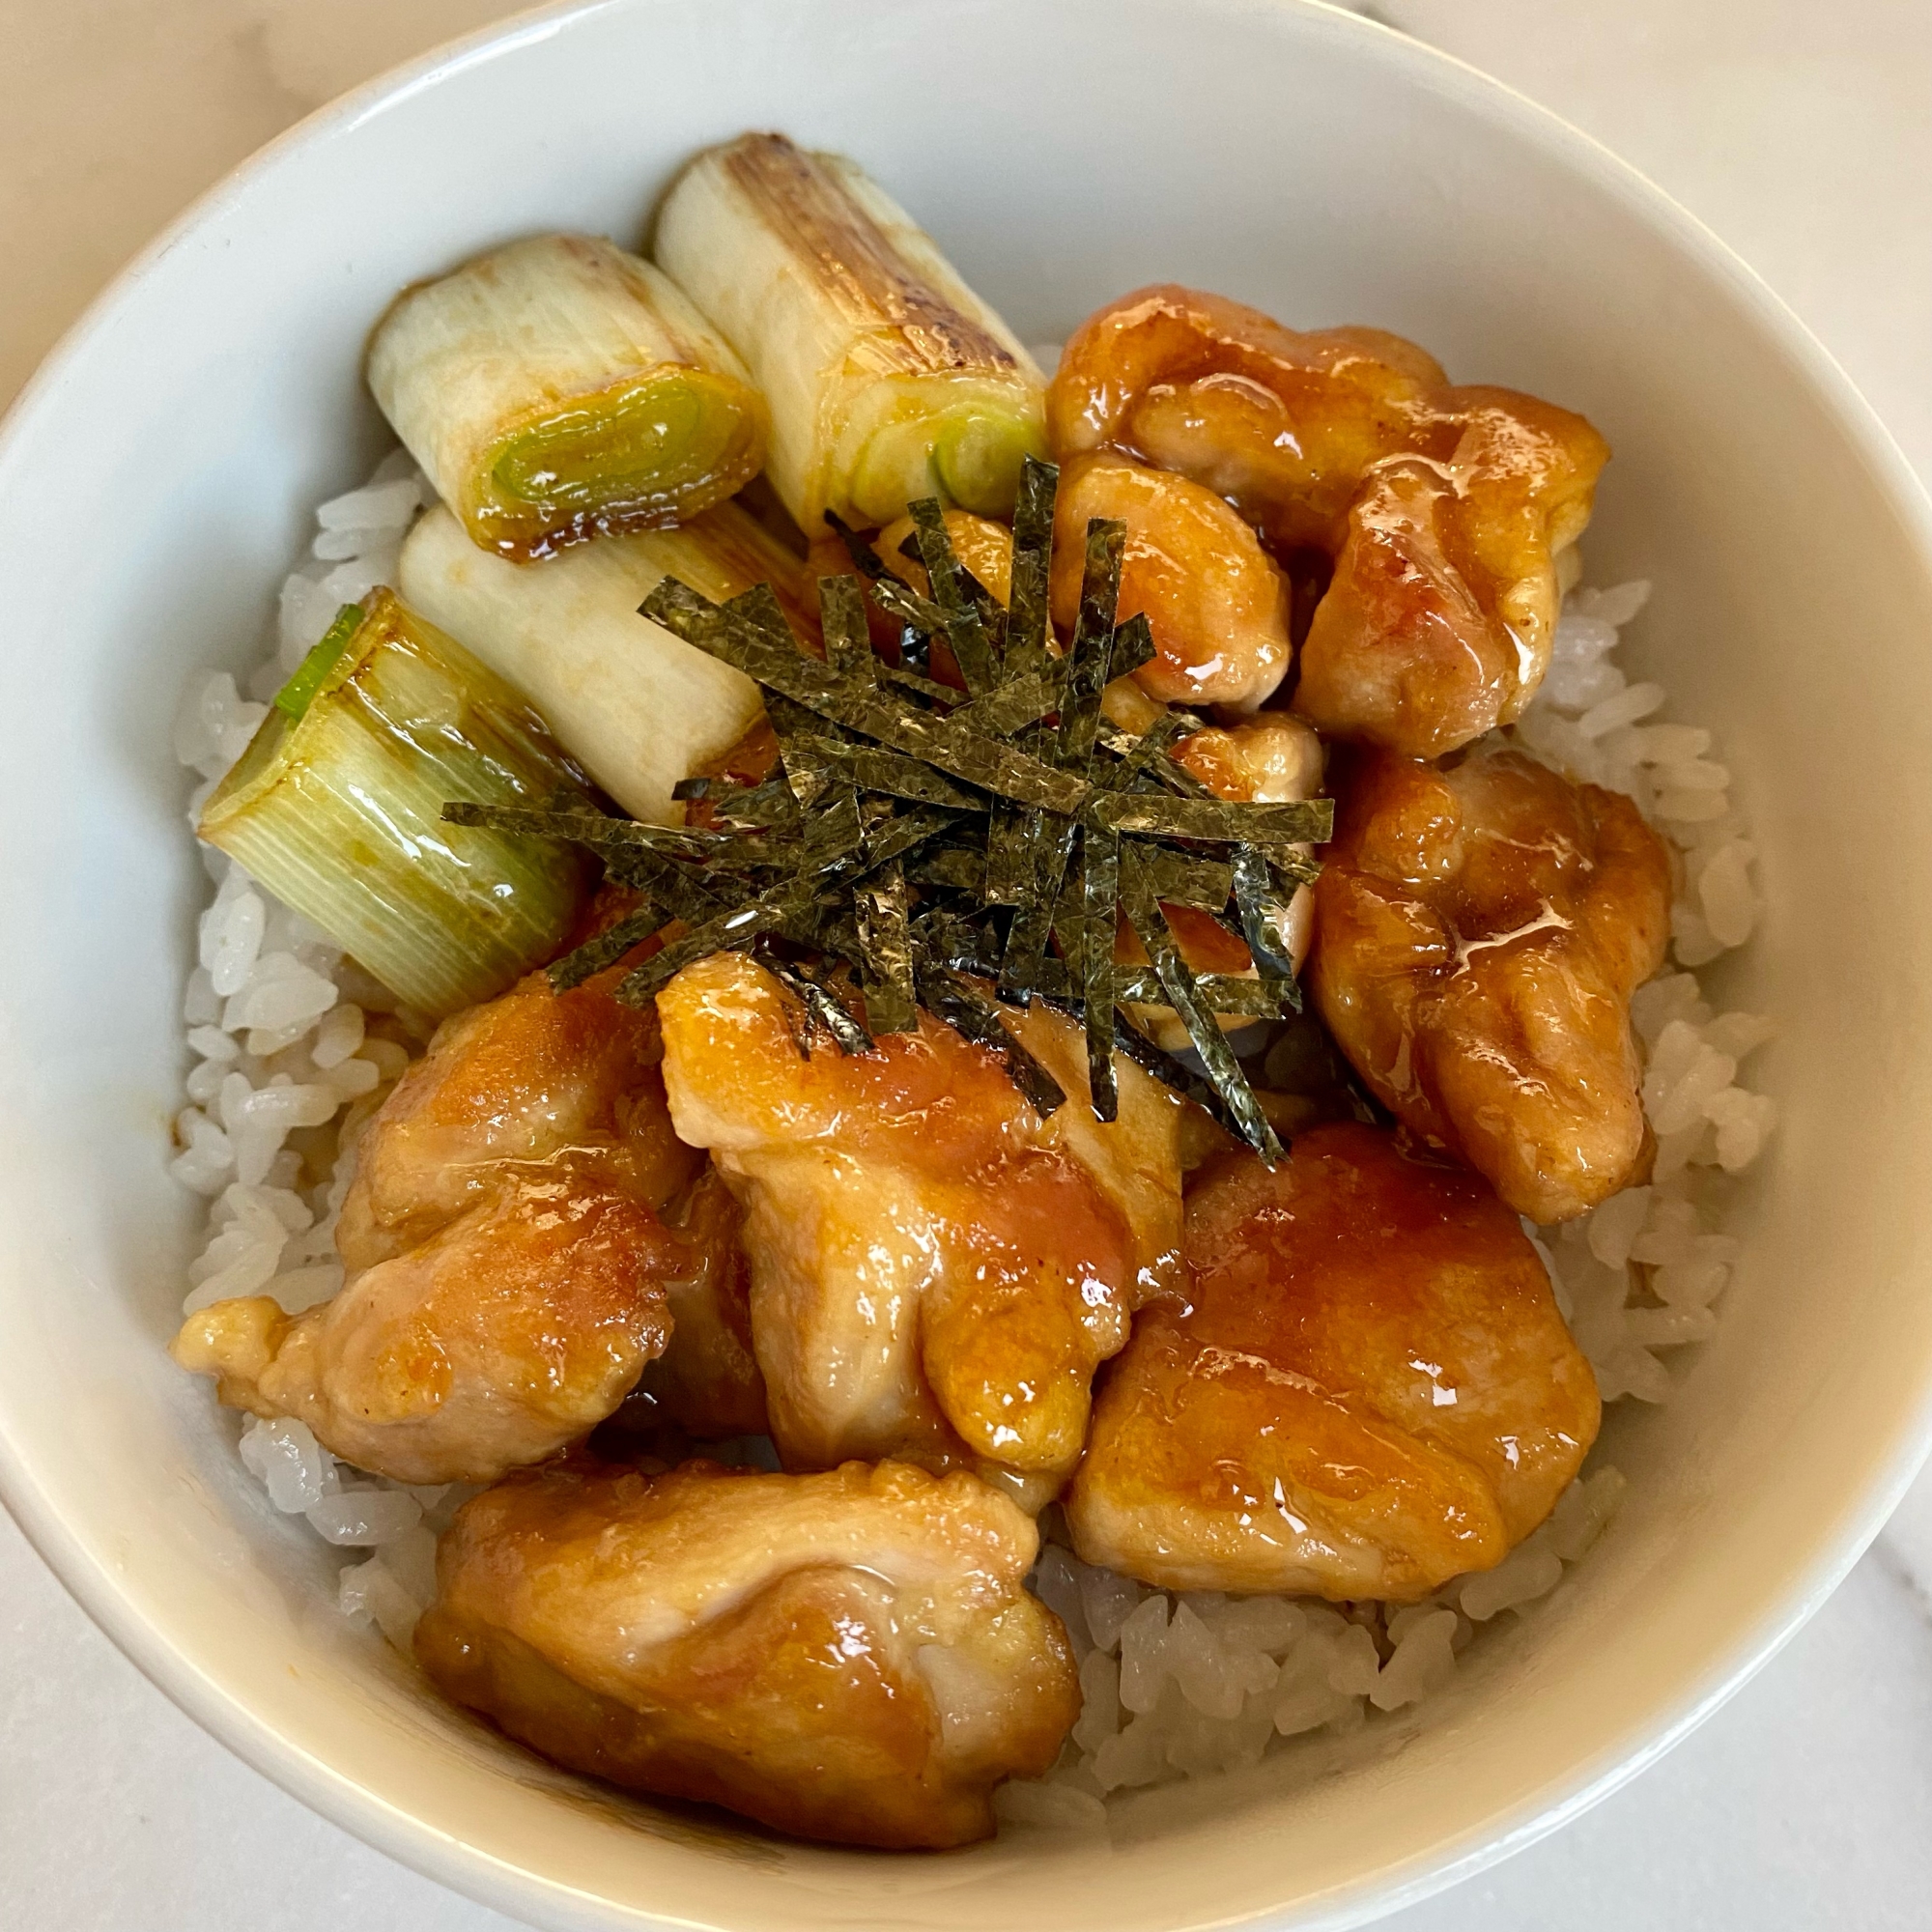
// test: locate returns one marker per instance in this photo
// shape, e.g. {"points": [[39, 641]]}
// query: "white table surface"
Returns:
{"points": [[1803, 133]]}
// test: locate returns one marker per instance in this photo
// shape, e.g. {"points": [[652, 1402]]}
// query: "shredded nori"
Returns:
{"points": [[885, 944], [824, 1009], [968, 1011], [1101, 900], [923, 846]]}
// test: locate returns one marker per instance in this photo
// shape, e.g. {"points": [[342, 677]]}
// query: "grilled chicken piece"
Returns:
{"points": [[1216, 605], [848, 1656], [706, 1384], [519, 1080], [1271, 758], [508, 1269], [1372, 1391], [1446, 510], [1479, 930], [936, 1272]]}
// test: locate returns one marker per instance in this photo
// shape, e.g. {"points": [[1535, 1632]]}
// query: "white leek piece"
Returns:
{"points": [[639, 708], [559, 388], [336, 807], [887, 377]]}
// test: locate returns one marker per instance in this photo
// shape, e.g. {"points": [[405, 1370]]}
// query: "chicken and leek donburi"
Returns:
{"points": [[865, 814]]}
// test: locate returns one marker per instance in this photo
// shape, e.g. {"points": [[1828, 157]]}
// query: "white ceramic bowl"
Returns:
{"points": [[157, 476]]}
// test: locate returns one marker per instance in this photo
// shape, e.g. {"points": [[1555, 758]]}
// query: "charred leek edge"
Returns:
{"points": [[886, 845], [887, 377], [559, 388], [636, 707], [335, 808]]}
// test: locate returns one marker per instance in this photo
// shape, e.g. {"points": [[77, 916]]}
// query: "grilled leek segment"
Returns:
{"points": [[639, 707], [559, 388], [336, 807], [887, 379]]}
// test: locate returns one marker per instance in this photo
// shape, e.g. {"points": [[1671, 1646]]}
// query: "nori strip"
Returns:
{"points": [[927, 688], [1171, 1073], [1209, 1042], [1150, 761], [588, 828], [685, 890], [1184, 878], [1007, 876], [829, 835], [690, 788], [1026, 653], [841, 619], [607, 947], [965, 625], [1100, 895], [826, 1009], [730, 932], [1296, 868], [1232, 993], [1032, 924], [990, 614], [1087, 660], [885, 946], [1132, 647], [866, 560], [769, 803], [620, 841], [1011, 706], [970, 1013], [898, 599], [800, 1024], [1264, 909], [873, 768], [905, 832], [808, 762], [943, 937], [955, 866], [1140, 756], [1219, 821]]}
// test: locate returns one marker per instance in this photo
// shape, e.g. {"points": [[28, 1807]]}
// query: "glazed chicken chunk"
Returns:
{"points": [[1479, 930], [706, 1384], [508, 1269], [1214, 602], [847, 1656], [1371, 1391], [1444, 511], [936, 1272]]}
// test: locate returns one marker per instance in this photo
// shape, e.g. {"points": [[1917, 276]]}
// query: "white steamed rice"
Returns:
{"points": [[295, 1047]]}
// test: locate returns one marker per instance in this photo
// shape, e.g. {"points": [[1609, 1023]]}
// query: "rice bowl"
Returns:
{"points": [[1640, 1537], [1642, 1272]]}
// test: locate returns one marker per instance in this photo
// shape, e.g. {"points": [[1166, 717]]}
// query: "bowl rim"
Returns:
{"points": [[86, 1573]]}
